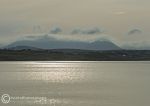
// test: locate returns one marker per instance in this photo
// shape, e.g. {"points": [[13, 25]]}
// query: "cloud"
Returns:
{"points": [[57, 33], [31, 37], [69, 37], [89, 31], [135, 32], [55, 30], [120, 13]]}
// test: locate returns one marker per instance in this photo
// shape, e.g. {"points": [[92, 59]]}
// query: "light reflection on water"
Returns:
{"points": [[77, 83], [52, 72]]}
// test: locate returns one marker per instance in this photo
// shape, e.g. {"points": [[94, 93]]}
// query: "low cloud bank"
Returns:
{"points": [[135, 32], [88, 31], [55, 30]]}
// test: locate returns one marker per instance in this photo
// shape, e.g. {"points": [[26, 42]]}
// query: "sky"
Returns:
{"points": [[126, 22]]}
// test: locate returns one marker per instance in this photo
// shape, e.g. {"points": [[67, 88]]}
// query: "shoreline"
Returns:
{"points": [[74, 55]]}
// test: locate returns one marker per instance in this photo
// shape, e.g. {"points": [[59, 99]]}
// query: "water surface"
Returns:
{"points": [[75, 83]]}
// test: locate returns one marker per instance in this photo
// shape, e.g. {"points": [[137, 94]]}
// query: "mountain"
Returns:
{"points": [[23, 48], [51, 43]]}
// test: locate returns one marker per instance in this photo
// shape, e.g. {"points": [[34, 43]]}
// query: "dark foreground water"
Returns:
{"points": [[75, 83]]}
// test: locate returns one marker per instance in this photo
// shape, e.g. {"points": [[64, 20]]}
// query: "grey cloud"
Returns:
{"points": [[134, 32], [89, 31], [76, 31], [39, 36], [31, 37], [55, 30]]}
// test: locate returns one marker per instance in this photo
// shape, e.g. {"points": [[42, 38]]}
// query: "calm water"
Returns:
{"points": [[75, 83]]}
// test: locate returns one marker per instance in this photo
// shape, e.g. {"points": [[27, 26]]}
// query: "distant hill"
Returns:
{"points": [[48, 43], [23, 48]]}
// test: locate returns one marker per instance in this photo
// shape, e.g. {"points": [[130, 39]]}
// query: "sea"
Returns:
{"points": [[68, 83]]}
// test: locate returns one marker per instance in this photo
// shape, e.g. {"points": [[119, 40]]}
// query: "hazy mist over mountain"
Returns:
{"points": [[47, 42]]}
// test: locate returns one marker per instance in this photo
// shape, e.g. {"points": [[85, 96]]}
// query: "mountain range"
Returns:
{"points": [[51, 43]]}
